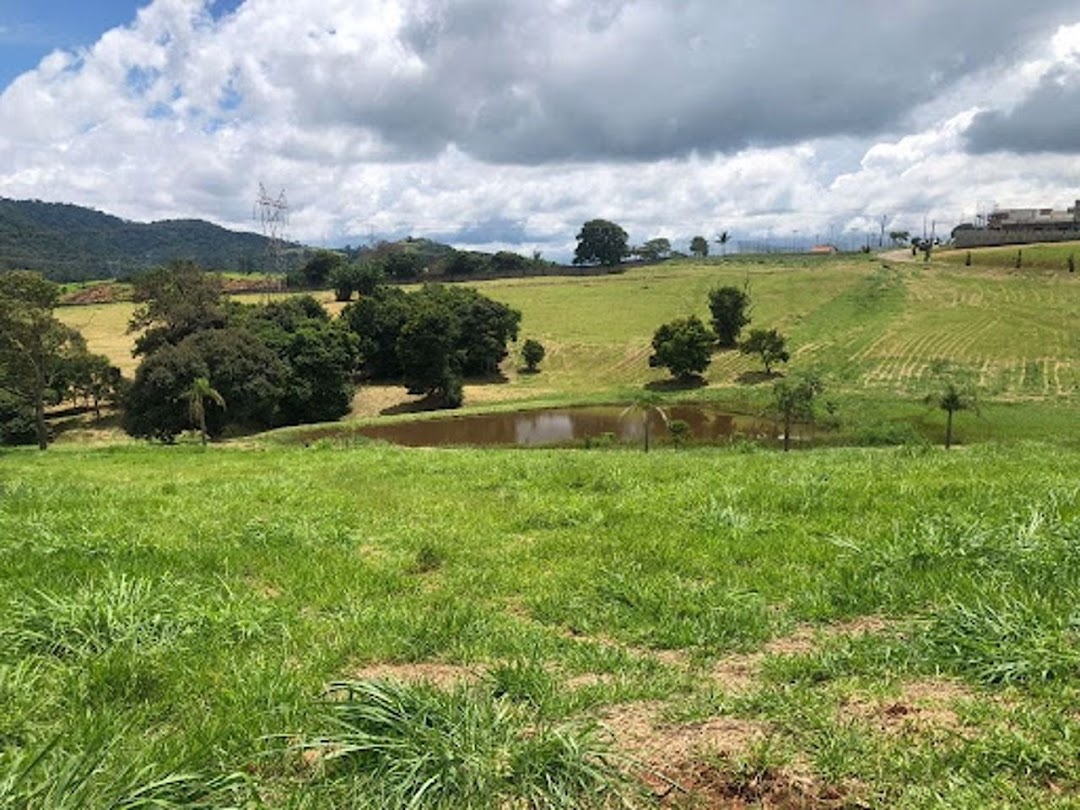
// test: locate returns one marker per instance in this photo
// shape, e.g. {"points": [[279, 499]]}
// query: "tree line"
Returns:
{"points": [[221, 367], [605, 243]]}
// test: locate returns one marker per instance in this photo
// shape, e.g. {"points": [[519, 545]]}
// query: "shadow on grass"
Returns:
{"points": [[422, 405], [677, 384], [755, 377]]}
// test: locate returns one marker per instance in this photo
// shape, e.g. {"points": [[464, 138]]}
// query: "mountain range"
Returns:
{"points": [[71, 243]]}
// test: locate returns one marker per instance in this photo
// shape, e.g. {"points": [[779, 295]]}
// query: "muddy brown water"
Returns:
{"points": [[569, 426]]}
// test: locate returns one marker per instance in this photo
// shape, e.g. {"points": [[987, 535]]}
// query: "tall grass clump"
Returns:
{"points": [[92, 619], [414, 746], [98, 775], [1011, 640]]}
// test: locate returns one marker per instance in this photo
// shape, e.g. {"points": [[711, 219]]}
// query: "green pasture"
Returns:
{"points": [[1045, 256], [867, 323], [888, 628]]}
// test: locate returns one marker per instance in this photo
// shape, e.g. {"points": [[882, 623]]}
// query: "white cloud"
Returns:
{"points": [[510, 124]]}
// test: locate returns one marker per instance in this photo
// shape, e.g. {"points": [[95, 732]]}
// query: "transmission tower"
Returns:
{"points": [[273, 216]]}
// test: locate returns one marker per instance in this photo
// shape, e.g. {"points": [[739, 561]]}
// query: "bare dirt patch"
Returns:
{"points": [[738, 673], [443, 676], [640, 734], [922, 707], [684, 764], [700, 785]]}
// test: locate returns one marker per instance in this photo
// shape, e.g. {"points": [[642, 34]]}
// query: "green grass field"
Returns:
{"points": [[853, 627], [1049, 256], [874, 329], [352, 625]]}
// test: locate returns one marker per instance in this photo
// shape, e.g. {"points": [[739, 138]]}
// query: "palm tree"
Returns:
{"points": [[196, 395], [951, 400]]}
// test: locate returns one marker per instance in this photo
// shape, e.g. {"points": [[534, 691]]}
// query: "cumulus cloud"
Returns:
{"points": [[1046, 115], [508, 124]]}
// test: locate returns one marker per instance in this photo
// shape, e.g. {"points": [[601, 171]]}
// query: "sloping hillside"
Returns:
{"points": [[71, 243]]}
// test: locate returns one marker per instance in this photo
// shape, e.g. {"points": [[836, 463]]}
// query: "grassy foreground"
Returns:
{"points": [[888, 628]]}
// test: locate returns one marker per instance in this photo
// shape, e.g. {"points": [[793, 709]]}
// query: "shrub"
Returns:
{"points": [[532, 352]]}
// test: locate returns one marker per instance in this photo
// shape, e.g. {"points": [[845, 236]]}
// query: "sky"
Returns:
{"points": [[492, 124]]}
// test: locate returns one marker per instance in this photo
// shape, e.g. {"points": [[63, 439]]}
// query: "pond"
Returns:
{"points": [[570, 426]]}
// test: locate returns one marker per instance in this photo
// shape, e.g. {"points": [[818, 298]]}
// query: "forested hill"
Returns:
{"points": [[71, 243]]}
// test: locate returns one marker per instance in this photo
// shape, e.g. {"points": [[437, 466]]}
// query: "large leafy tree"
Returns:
{"points": [[91, 377], [730, 308], [483, 327], [699, 246], [426, 351], [173, 302], [432, 338], [377, 320], [683, 346], [655, 249], [769, 345], [250, 377], [600, 242], [320, 355], [34, 345], [321, 267]]}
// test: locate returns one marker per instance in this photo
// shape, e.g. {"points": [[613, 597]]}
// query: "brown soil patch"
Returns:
{"points": [[738, 673], [674, 763], [922, 707], [705, 786], [100, 294], [443, 676], [265, 589], [639, 733]]}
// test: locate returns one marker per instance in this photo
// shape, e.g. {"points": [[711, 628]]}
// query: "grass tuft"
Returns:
{"points": [[418, 747], [94, 618]]}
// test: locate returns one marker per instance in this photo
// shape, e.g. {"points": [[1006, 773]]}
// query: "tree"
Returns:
{"points": [[600, 242], [683, 346], [476, 327], [794, 401], [377, 320], [646, 403], [319, 269], [320, 357], [655, 249], [343, 279], [92, 377], [768, 344], [899, 237], [730, 308], [34, 345], [368, 276], [466, 263], [403, 264], [197, 394], [174, 302], [699, 246], [247, 373], [425, 350], [951, 399], [532, 352]]}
